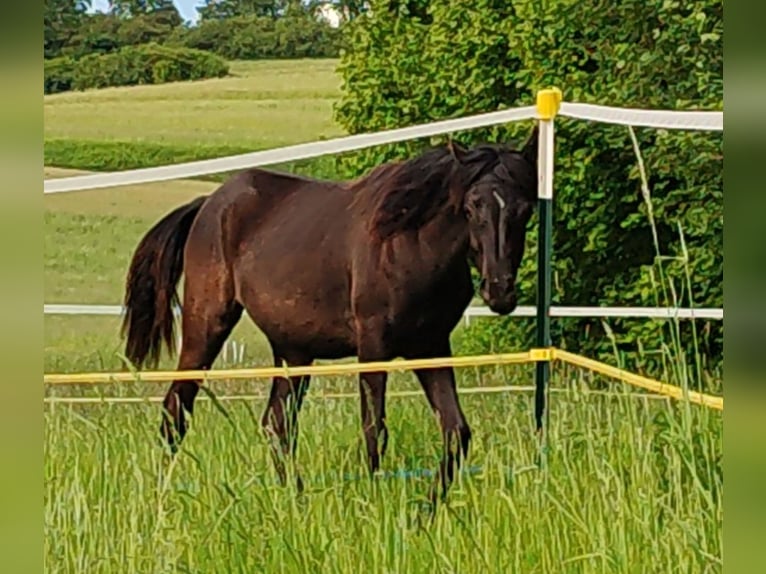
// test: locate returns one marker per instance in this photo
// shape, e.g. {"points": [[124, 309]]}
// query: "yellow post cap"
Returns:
{"points": [[548, 103]]}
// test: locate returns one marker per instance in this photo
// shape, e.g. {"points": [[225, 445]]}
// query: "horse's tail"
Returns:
{"points": [[150, 293]]}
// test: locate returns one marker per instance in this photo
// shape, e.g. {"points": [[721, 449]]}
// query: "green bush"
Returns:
{"points": [[410, 62], [132, 65], [58, 75]]}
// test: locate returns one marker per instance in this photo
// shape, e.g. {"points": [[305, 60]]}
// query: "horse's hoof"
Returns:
{"points": [[169, 442]]}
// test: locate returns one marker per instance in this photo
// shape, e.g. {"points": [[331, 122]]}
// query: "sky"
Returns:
{"points": [[187, 8]]}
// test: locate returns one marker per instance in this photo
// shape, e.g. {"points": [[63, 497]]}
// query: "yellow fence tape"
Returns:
{"points": [[639, 381], [269, 372], [531, 356]]}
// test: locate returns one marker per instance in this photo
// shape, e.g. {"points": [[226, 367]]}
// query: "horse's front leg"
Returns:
{"points": [[441, 390]]}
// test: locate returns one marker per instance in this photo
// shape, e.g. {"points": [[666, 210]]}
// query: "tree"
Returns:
{"points": [[223, 9], [347, 9], [61, 19], [352, 9], [97, 33], [131, 8]]}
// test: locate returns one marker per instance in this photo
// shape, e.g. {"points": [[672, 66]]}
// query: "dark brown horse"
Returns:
{"points": [[376, 268]]}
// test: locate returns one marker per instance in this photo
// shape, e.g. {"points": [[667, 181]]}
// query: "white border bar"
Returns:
{"points": [[473, 311], [284, 154], [669, 119]]}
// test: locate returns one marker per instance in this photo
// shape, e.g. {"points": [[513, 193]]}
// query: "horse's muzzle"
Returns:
{"points": [[503, 306], [500, 296]]}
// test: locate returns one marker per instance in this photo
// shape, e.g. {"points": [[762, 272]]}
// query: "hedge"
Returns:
{"points": [[422, 60], [132, 65], [58, 74]]}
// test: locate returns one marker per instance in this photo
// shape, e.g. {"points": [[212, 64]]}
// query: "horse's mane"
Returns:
{"points": [[408, 194]]}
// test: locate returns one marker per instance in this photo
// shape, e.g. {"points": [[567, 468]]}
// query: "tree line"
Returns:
{"points": [[242, 29], [147, 41]]}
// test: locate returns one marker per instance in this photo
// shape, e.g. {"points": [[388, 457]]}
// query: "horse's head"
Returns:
{"points": [[499, 200]]}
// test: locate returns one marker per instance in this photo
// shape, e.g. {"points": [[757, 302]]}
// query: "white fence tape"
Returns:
{"points": [[284, 154], [473, 311], [668, 119], [688, 120]]}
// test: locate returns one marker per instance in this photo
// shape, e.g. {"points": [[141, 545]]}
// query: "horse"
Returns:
{"points": [[377, 267]]}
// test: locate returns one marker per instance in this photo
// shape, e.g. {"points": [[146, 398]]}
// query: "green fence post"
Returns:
{"points": [[548, 103]]}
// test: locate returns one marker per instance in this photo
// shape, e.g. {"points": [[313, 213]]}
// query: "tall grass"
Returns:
{"points": [[631, 483], [674, 357]]}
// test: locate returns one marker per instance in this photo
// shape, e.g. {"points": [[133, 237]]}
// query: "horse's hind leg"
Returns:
{"points": [[371, 346], [206, 323], [280, 420]]}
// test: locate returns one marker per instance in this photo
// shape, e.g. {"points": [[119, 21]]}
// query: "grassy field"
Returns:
{"points": [[264, 104], [630, 484]]}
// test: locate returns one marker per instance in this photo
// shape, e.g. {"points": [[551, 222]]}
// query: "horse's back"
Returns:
{"points": [[285, 242]]}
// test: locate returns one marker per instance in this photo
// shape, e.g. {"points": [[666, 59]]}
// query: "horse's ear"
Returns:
{"points": [[456, 150], [529, 151]]}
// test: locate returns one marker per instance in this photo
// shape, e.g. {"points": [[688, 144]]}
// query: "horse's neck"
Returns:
{"points": [[445, 238]]}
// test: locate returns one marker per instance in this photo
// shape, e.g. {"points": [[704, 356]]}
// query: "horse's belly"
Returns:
{"points": [[317, 323]]}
